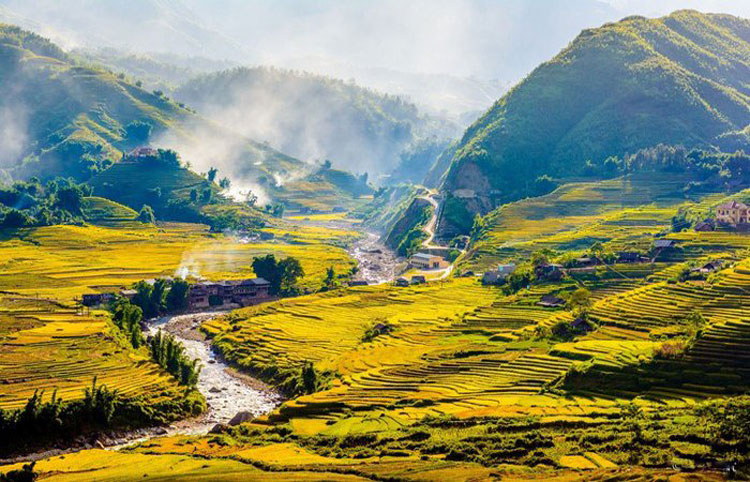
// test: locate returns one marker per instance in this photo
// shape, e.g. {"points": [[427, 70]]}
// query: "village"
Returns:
{"points": [[202, 295]]}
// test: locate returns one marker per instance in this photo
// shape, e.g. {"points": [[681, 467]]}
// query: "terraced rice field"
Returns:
{"points": [[62, 262], [46, 344], [56, 348], [623, 212]]}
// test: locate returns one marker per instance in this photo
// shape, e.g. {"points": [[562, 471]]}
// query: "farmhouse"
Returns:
{"points": [[402, 282], [244, 293], [359, 283], [705, 226], [665, 244], [428, 261], [418, 280], [628, 257], [140, 153], [733, 213], [95, 299], [549, 271], [498, 275], [551, 301]]}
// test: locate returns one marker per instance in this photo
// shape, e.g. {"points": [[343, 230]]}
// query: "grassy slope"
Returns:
{"points": [[613, 90]]}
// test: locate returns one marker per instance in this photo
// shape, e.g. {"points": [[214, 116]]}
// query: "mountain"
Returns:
{"points": [[313, 117], [680, 79], [140, 26], [62, 118]]}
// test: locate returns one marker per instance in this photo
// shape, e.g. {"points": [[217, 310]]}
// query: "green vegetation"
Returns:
{"points": [[406, 236], [614, 90], [27, 204], [170, 355], [282, 274]]}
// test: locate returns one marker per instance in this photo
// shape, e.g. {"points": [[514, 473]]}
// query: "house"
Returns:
{"points": [[705, 226], [581, 325], [733, 213], [549, 271], [243, 292], [128, 294], [95, 299], [586, 262], [418, 280], [665, 244], [358, 283], [551, 301], [251, 291], [428, 261], [497, 276], [709, 267], [140, 153], [198, 296], [265, 236], [402, 282], [627, 257]]}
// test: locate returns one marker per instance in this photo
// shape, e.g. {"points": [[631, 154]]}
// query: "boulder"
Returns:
{"points": [[241, 417], [214, 390], [219, 428]]}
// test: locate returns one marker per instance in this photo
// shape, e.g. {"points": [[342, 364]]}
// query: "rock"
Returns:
{"points": [[241, 417], [160, 431], [214, 390], [211, 361], [219, 428]]}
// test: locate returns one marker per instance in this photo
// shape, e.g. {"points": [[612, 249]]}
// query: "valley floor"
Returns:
{"points": [[455, 380]]}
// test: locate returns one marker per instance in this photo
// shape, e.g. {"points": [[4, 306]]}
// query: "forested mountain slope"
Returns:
{"points": [[680, 79], [61, 118], [313, 117]]}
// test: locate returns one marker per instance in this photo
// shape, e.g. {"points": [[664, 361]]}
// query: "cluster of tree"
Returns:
{"points": [[41, 422], [282, 274], [55, 418], [28, 204], [708, 167], [127, 317], [170, 355], [161, 297]]}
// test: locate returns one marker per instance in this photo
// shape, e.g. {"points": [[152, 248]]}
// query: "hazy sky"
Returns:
{"points": [[502, 39]]}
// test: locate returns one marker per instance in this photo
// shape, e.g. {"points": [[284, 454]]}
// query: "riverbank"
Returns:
{"points": [[377, 263], [227, 391]]}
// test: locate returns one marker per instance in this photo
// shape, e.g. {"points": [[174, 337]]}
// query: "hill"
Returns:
{"points": [[312, 117], [680, 79], [62, 117]]}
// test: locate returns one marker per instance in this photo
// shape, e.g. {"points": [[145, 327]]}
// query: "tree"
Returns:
{"points": [[543, 185], [291, 271], [178, 295], [282, 275], [193, 196], [138, 132], [267, 268], [206, 195], [251, 199], [212, 174], [70, 198], [14, 218], [580, 302], [329, 280], [146, 215], [225, 183]]}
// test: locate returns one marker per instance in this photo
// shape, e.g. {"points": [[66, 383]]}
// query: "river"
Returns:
{"points": [[227, 391]]}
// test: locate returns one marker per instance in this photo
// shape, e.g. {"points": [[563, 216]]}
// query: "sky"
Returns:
{"points": [[487, 39]]}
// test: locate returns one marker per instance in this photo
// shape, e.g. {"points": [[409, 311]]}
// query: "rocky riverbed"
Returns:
{"points": [[227, 391], [377, 263]]}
